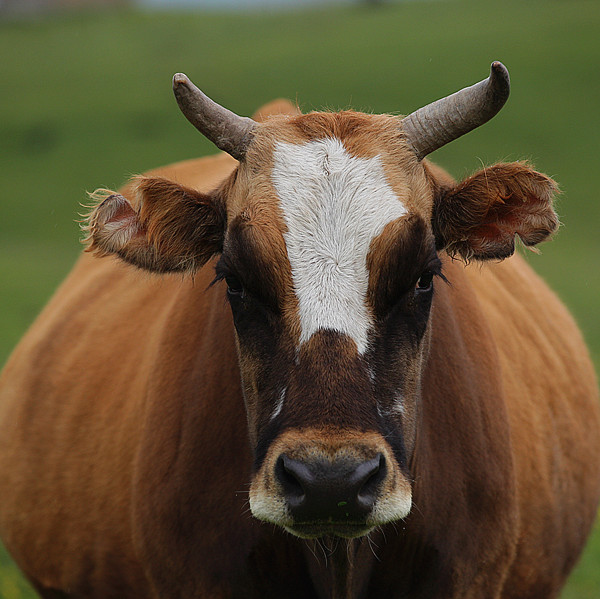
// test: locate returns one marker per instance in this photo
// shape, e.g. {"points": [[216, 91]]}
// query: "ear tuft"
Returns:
{"points": [[480, 217], [111, 223]]}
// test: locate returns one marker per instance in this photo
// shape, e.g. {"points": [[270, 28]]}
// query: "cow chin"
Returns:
{"points": [[314, 487], [318, 531]]}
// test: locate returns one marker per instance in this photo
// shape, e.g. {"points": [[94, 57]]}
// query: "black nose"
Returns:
{"points": [[344, 490]]}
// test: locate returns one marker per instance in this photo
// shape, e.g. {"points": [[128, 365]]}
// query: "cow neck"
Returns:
{"points": [[339, 568]]}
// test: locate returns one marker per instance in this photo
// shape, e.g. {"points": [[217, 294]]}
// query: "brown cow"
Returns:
{"points": [[402, 443]]}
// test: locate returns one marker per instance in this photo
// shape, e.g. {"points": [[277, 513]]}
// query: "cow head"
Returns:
{"points": [[329, 234]]}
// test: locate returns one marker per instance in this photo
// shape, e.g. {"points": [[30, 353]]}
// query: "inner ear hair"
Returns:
{"points": [[480, 217]]}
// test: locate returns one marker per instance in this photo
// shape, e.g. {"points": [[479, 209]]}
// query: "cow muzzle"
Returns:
{"points": [[316, 488]]}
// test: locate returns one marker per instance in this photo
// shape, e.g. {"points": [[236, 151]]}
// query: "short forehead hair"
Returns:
{"points": [[365, 135]]}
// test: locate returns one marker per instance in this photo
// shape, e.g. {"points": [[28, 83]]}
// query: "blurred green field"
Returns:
{"points": [[85, 101]]}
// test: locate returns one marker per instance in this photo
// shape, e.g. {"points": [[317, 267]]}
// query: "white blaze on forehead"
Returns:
{"points": [[334, 204]]}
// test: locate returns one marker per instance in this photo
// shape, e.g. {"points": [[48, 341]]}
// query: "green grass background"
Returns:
{"points": [[85, 101]]}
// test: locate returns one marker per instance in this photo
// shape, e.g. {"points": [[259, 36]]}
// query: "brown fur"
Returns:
{"points": [[124, 436]]}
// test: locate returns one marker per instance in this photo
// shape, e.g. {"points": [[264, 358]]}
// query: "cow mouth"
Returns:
{"points": [[329, 528]]}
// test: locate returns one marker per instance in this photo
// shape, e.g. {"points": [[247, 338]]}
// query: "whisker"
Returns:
{"points": [[371, 543], [310, 545]]}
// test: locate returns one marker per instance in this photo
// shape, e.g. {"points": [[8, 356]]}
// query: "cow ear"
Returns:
{"points": [[480, 217], [168, 228]]}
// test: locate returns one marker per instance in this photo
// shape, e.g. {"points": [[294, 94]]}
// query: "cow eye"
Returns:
{"points": [[234, 287], [425, 281]]}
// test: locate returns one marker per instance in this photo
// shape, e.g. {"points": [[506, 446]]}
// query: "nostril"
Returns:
{"points": [[324, 490], [291, 474], [372, 473]]}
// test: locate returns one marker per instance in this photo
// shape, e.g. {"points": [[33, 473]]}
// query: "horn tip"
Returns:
{"points": [[500, 83], [180, 79], [499, 70]]}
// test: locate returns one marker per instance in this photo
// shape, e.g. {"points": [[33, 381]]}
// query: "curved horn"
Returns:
{"points": [[440, 122], [228, 131]]}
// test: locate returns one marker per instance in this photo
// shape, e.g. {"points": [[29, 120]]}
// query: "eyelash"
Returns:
{"points": [[234, 285]]}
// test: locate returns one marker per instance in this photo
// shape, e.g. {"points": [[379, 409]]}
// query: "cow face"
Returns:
{"points": [[331, 335], [329, 233]]}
